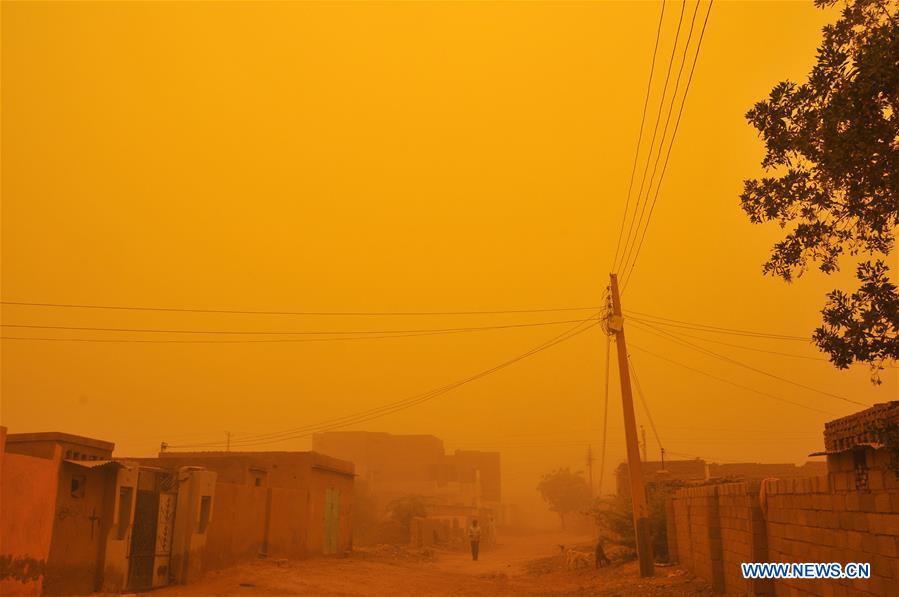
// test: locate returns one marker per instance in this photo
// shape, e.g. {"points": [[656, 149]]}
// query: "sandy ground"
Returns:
{"points": [[526, 565]]}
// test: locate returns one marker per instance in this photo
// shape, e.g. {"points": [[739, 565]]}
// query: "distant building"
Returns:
{"points": [[698, 470], [390, 465], [670, 470], [457, 487], [756, 470], [401, 465]]}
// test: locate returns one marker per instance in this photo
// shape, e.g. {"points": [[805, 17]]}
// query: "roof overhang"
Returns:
{"points": [[96, 463], [873, 445]]}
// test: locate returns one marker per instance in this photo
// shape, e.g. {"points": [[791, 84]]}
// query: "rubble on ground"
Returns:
{"points": [[388, 552]]}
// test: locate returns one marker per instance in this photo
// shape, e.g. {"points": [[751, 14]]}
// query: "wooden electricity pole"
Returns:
{"points": [[635, 470], [590, 468], [645, 447]]}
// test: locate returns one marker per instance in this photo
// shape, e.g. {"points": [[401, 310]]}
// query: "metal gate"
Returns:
{"points": [[151, 536]]}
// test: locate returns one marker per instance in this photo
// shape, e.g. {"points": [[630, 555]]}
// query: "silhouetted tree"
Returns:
{"points": [[616, 515], [565, 492], [403, 510], [832, 144]]}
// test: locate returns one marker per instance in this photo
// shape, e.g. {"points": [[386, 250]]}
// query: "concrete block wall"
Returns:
{"points": [[716, 528], [698, 538], [743, 537], [818, 519], [808, 521]]}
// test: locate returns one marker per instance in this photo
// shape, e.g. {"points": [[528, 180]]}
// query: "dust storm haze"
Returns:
{"points": [[360, 170]]}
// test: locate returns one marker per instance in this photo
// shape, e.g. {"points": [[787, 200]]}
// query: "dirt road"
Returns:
{"points": [[527, 565]]}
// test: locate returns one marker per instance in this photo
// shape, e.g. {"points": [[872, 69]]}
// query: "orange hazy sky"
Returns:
{"points": [[366, 156]]}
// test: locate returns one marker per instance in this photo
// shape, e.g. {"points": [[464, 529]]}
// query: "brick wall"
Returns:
{"points": [[841, 517], [716, 527], [699, 533], [743, 536], [810, 521]]}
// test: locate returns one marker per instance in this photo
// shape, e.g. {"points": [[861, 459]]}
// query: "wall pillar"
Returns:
{"points": [[193, 515]]}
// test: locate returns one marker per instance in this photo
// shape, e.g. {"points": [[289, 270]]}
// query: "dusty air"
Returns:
{"points": [[432, 299]]}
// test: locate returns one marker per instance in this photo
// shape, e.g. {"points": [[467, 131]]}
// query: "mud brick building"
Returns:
{"points": [[849, 514], [75, 521], [272, 504]]}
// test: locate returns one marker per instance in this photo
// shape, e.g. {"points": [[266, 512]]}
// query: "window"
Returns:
{"points": [[125, 498], [78, 483], [258, 475], [205, 511]]}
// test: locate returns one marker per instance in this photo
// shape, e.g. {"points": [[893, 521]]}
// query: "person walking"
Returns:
{"points": [[474, 535]]}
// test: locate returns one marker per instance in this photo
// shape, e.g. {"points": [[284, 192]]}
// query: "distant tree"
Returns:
{"points": [[832, 145], [403, 510], [565, 492]]}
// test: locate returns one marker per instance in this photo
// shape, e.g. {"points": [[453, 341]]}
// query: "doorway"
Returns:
{"points": [[151, 535]]}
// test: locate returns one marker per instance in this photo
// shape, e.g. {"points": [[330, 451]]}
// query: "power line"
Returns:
{"points": [[384, 410], [701, 327], [292, 332], [732, 383], [743, 347], [672, 338], [630, 186], [655, 166], [310, 313], [671, 144], [652, 424], [655, 128], [415, 399]]}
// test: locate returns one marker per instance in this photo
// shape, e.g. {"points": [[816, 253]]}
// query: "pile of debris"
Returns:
{"points": [[384, 551]]}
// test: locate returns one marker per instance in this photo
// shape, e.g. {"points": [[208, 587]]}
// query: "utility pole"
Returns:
{"points": [[638, 492], [227, 441], [643, 433], [590, 467]]}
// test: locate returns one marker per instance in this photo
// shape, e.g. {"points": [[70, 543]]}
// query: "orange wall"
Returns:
{"points": [[281, 522], [237, 528], [27, 508], [288, 525], [74, 565]]}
